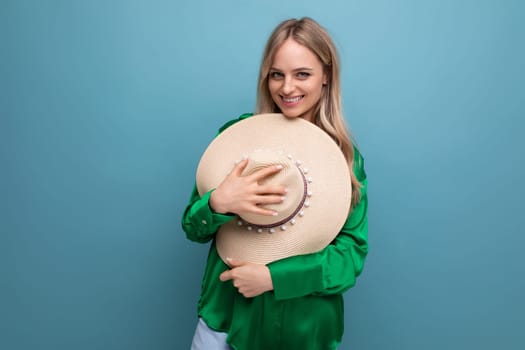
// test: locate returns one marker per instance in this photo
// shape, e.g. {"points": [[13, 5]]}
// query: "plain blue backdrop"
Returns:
{"points": [[106, 107]]}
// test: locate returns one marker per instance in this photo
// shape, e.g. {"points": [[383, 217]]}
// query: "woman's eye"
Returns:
{"points": [[276, 75], [303, 75]]}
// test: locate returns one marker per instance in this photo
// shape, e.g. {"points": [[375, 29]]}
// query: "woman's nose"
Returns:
{"points": [[288, 86]]}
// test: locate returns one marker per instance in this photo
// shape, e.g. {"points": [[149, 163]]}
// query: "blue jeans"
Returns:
{"points": [[206, 338]]}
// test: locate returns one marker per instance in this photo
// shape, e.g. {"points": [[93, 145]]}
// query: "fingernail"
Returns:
{"points": [[274, 213], [285, 190], [279, 166], [229, 259], [244, 156], [283, 198]]}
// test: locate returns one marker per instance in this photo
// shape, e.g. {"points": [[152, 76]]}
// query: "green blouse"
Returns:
{"points": [[305, 309]]}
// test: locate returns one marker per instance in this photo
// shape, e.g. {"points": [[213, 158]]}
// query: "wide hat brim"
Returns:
{"points": [[326, 174]]}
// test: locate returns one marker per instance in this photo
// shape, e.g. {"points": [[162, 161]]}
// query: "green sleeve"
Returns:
{"points": [[334, 269], [199, 221]]}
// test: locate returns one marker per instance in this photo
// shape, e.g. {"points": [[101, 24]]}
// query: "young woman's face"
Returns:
{"points": [[296, 80]]}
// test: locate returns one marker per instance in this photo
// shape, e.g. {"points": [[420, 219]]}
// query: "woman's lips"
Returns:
{"points": [[291, 101]]}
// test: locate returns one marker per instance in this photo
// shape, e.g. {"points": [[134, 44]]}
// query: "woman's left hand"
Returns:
{"points": [[250, 279]]}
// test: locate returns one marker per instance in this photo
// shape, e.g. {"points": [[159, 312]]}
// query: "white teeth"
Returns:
{"points": [[292, 100]]}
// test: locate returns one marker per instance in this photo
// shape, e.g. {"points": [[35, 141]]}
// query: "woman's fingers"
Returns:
{"points": [[272, 189], [239, 168], [270, 199], [245, 194], [266, 172], [261, 201], [263, 211]]}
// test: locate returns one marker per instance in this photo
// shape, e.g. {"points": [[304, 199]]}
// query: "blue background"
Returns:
{"points": [[106, 107]]}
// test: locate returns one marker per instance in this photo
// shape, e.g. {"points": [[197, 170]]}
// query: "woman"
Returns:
{"points": [[295, 302]]}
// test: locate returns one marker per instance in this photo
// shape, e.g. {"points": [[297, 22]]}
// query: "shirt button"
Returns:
{"points": [[204, 222]]}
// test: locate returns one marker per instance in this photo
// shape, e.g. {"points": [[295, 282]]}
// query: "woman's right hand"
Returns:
{"points": [[240, 194]]}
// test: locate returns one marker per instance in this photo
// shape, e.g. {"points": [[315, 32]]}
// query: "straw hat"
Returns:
{"points": [[315, 173]]}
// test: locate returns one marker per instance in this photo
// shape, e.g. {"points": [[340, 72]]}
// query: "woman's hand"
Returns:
{"points": [[240, 195], [250, 279]]}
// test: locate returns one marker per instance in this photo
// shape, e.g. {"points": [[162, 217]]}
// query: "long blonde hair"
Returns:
{"points": [[328, 114]]}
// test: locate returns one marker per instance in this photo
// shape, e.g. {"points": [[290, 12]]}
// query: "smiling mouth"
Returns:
{"points": [[291, 100]]}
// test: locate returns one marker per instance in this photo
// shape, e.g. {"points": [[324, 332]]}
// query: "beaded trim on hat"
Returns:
{"points": [[304, 203]]}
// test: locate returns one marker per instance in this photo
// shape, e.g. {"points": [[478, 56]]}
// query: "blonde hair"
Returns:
{"points": [[328, 114]]}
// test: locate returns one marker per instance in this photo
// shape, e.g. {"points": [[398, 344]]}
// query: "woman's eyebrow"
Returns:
{"points": [[293, 70]]}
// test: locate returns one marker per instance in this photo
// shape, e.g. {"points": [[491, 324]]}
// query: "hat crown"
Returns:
{"points": [[290, 176]]}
